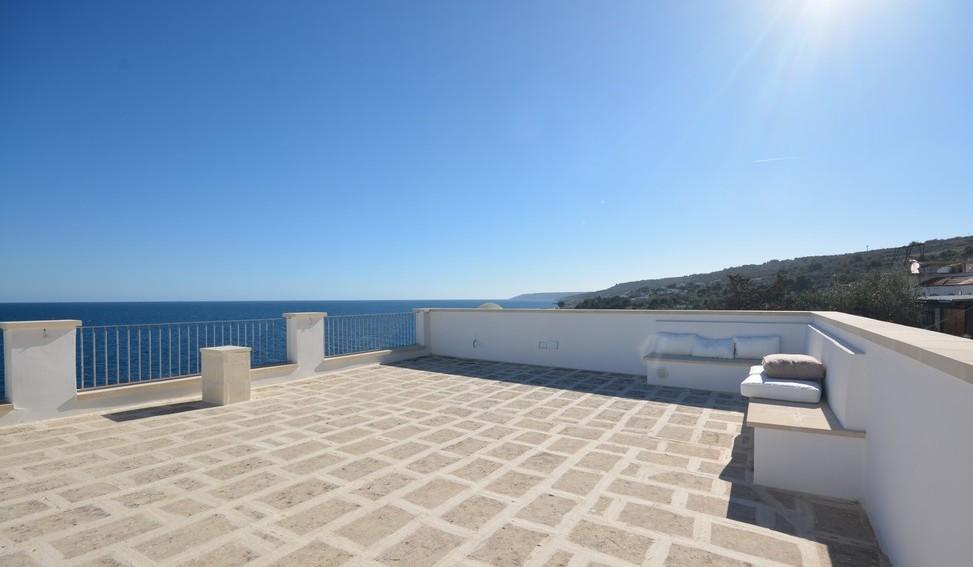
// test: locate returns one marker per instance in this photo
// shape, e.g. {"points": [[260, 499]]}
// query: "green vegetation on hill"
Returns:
{"points": [[872, 283]]}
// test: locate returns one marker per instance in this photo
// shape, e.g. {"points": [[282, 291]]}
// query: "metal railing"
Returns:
{"points": [[347, 334], [113, 355], [3, 387]]}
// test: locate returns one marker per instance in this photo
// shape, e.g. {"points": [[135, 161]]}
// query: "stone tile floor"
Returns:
{"points": [[430, 461]]}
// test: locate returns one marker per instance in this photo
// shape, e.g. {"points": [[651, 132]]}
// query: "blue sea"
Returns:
{"points": [[125, 313]]}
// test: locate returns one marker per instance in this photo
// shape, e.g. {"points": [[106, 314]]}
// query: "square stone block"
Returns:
{"points": [[226, 374]]}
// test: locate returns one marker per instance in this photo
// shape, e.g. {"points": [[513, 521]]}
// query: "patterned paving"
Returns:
{"points": [[431, 461]]}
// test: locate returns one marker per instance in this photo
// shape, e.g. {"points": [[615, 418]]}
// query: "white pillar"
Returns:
{"points": [[39, 365], [305, 340], [226, 374], [423, 329]]}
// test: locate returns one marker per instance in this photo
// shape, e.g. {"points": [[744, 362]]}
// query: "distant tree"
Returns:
{"points": [[815, 267], [968, 251], [610, 302], [744, 293], [886, 296]]}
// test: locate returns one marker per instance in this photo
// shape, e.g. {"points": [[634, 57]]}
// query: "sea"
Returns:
{"points": [[127, 313]]}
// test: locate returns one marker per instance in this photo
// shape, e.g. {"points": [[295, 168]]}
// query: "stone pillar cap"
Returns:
{"points": [[227, 348], [55, 324], [306, 315]]}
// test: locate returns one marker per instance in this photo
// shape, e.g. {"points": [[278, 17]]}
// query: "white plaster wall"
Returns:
{"points": [[828, 465], [608, 341], [918, 459], [846, 382]]}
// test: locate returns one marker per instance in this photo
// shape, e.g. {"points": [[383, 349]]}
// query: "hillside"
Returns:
{"points": [[551, 296], [809, 273]]}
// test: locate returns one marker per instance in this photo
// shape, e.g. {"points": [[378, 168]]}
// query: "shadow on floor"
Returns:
{"points": [[142, 413], [630, 386], [841, 526]]}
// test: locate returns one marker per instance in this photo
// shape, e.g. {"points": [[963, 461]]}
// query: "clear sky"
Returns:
{"points": [[454, 149]]}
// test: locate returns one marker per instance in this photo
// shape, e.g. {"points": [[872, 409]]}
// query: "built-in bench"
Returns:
{"points": [[791, 416], [717, 374], [805, 447]]}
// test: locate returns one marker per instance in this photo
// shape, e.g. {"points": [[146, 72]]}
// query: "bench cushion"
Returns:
{"points": [[712, 348], [674, 343], [793, 367], [762, 386]]}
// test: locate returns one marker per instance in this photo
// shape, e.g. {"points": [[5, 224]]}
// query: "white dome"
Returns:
{"points": [[490, 306]]}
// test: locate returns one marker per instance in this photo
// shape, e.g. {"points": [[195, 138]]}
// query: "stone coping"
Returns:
{"points": [[53, 324], [163, 385], [694, 312], [701, 360], [306, 315], [792, 416], [946, 353], [226, 348]]}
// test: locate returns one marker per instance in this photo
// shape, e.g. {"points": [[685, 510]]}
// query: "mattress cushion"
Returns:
{"points": [[762, 386]]}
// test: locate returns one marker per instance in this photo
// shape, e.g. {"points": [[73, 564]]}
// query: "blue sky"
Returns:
{"points": [[358, 150]]}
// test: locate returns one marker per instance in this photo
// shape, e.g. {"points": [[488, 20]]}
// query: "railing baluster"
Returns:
{"points": [[81, 335], [265, 337]]}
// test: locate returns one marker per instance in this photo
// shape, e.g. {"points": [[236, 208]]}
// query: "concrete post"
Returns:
{"points": [[423, 329], [226, 374], [305, 341], [39, 365]]}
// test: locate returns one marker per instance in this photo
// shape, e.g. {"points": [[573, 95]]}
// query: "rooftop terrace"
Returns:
{"points": [[435, 460], [481, 437]]}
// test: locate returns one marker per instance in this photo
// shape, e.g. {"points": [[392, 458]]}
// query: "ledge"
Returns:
{"points": [[701, 360], [791, 416], [6, 407], [137, 388], [55, 324], [946, 353], [260, 372], [226, 348], [696, 312], [163, 385], [306, 315]]}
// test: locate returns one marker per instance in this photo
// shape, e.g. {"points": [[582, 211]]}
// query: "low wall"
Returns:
{"points": [[918, 461], [598, 340]]}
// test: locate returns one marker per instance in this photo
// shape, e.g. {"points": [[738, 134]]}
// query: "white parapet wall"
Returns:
{"points": [[827, 465], [601, 340], [918, 416]]}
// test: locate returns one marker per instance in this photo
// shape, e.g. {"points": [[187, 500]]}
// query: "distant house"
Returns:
{"points": [[946, 290]]}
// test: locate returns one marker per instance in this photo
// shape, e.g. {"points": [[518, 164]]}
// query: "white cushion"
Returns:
{"points": [[756, 347], [674, 343], [712, 348], [761, 386]]}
